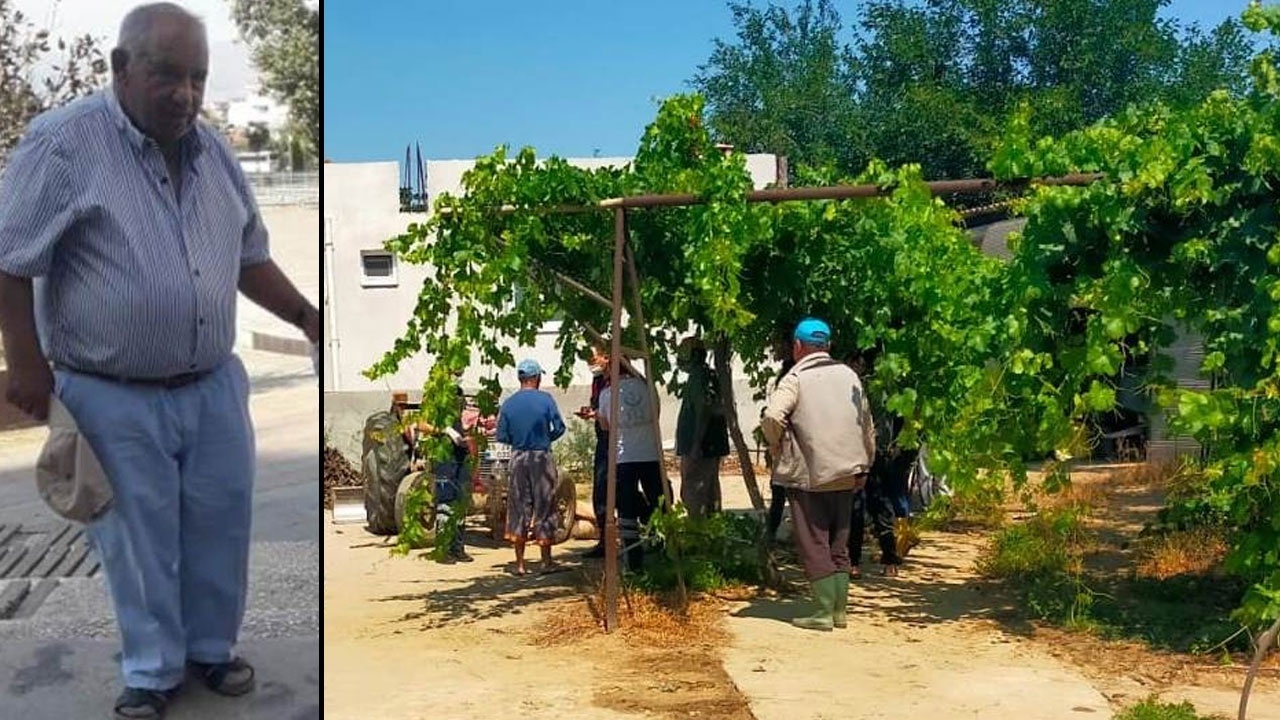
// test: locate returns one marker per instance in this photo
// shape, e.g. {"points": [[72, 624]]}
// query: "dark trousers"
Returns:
{"points": [[448, 491], [777, 502], [895, 471], [639, 489], [885, 491], [822, 530], [600, 482]]}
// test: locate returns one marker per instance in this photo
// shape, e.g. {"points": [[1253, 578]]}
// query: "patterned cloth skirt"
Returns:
{"points": [[531, 497]]}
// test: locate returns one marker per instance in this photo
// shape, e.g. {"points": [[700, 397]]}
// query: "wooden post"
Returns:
{"points": [[633, 275], [611, 492]]}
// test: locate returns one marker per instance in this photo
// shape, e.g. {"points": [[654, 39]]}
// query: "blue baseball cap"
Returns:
{"points": [[528, 368], [813, 331]]}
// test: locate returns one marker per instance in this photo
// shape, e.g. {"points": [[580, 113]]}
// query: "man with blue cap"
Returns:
{"points": [[819, 428], [529, 422]]}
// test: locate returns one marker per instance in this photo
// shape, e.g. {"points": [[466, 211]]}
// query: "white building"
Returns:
{"points": [[256, 109], [369, 295], [256, 163]]}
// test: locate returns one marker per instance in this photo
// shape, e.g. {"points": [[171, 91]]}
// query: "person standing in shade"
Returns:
{"points": [[529, 422], [821, 434], [777, 493], [888, 472], [600, 465], [639, 475], [702, 434], [451, 495], [139, 228]]}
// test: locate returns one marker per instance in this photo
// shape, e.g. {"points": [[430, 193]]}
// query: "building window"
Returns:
{"points": [[378, 269]]}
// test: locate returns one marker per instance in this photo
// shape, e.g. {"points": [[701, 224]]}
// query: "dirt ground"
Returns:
{"points": [[412, 639]]}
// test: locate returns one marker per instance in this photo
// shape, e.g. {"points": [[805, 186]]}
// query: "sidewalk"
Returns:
{"points": [[59, 662]]}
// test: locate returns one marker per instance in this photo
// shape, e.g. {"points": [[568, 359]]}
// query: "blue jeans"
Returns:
{"points": [[448, 490], [175, 542]]}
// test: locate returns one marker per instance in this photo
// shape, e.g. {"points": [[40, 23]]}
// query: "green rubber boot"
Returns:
{"points": [[824, 593], [839, 617]]}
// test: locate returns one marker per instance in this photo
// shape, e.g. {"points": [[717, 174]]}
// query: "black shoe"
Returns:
{"points": [[462, 556], [635, 559], [596, 551], [233, 678], [140, 704]]}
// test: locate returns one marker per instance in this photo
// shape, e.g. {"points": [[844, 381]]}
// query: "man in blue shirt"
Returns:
{"points": [[529, 422], [138, 227]]}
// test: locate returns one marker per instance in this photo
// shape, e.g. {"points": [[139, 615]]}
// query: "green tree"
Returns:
{"points": [[284, 38], [915, 94], [1183, 235], [38, 73], [785, 86], [933, 82], [258, 136]]}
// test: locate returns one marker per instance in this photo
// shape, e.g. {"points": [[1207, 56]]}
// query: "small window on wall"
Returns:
{"points": [[377, 269]]}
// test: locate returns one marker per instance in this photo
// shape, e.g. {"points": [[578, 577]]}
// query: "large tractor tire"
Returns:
{"points": [[426, 514], [566, 508], [495, 506]]}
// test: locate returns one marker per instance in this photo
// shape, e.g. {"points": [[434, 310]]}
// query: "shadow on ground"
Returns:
{"points": [[498, 592], [935, 585]]}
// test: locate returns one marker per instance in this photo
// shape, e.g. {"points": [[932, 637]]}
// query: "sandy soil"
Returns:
{"points": [[411, 639]]}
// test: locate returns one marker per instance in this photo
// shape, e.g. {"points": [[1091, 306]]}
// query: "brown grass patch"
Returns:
{"points": [[645, 619], [1190, 552], [661, 662], [1174, 476], [1082, 497]]}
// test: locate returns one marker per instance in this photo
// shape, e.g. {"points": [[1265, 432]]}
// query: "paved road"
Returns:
{"points": [[60, 663]]}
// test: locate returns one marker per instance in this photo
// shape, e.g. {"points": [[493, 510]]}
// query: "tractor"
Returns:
{"points": [[489, 463]]}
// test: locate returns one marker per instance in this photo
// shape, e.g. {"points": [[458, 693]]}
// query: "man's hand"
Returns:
{"points": [[30, 379], [267, 286], [30, 387]]}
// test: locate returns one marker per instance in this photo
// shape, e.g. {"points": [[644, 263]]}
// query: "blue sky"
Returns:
{"points": [[463, 76]]}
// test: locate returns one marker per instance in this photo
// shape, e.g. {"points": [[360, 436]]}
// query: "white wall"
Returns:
{"points": [[255, 108], [361, 211]]}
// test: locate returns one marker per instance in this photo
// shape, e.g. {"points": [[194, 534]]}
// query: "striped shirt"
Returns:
{"points": [[131, 281]]}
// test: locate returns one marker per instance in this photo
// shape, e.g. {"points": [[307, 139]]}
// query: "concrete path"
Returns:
{"points": [[915, 647], [61, 662]]}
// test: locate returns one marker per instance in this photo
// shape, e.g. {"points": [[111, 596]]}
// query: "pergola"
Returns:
{"points": [[624, 262], [622, 255]]}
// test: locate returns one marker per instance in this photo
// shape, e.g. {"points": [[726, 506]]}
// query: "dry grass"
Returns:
{"points": [[1175, 476], [644, 619], [1082, 497], [1191, 552], [661, 662]]}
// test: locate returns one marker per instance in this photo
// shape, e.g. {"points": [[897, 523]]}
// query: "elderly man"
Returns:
{"points": [[820, 433], [140, 227]]}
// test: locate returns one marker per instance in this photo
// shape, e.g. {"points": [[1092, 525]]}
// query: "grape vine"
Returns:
{"points": [[995, 364]]}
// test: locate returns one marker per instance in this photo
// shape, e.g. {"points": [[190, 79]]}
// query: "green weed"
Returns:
{"points": [[1042, 556], [710, 553], [1153, 709], [576, 452]]}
